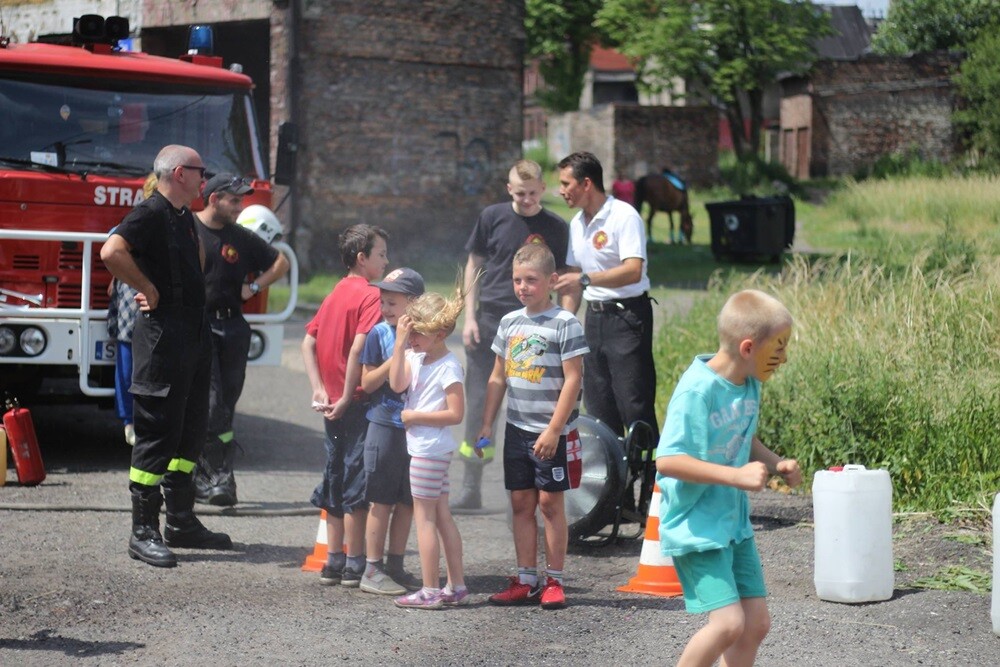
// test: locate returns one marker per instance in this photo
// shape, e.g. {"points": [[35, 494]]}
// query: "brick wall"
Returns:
{"points": [[410, 117], [879, 105], [639, 139], [686, 139]]}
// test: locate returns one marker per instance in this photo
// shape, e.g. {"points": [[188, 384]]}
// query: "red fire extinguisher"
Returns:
{"points": [[23, 443]]}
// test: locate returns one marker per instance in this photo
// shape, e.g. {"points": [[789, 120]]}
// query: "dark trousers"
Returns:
{"points": [[171, 355], [230, 344], [479, 361], [619, 379]]}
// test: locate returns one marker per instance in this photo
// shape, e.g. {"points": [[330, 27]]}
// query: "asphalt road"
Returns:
{"points": [[69, 594]]}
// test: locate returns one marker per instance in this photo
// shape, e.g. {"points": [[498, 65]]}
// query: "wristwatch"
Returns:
{"points": [[254, 288], [585, 280]]}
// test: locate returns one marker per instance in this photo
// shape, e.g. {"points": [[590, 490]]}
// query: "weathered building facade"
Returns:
{"points": [[636, 140], [407, 122], [846, 114]]}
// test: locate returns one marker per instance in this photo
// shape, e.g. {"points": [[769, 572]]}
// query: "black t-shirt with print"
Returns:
{"points": [[497, 236], [230, 254]]}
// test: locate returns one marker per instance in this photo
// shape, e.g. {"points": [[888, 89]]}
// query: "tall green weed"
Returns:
{"points": [[890, 369]]}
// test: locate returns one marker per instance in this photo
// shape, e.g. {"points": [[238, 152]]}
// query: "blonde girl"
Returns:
{"points": [[432, 378]]}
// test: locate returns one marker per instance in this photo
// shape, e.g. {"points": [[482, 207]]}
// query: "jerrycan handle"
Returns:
{"points": [[853, 466]]}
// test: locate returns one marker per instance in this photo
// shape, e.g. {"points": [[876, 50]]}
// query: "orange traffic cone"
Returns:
{"points": [[317, 559], [656, 575]]}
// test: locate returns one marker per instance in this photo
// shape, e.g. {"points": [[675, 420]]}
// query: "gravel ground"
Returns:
{"points": [[70, 595]]}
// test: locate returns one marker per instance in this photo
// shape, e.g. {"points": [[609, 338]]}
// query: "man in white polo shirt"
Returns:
{"points": [[608, 242]]}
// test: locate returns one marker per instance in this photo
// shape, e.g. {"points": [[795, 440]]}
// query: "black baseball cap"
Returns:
{"points": [[226, 182], [402, 280]]}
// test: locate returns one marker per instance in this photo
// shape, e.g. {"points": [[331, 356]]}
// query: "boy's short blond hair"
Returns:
{"points": [[750, 314], [526, 170], [536, 256]]}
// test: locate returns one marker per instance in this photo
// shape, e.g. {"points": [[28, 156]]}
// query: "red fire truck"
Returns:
{"points": [[79, 129]]}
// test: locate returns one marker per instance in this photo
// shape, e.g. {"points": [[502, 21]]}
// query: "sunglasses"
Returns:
{"points": [[230, 187], [201, 170], [236, 182]]}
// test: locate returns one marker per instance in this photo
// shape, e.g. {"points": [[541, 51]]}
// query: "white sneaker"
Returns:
{"points": [[130, 435]]}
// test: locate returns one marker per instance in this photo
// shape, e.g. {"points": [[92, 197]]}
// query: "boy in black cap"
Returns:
{"points": [[387, 464], [231, 253]]}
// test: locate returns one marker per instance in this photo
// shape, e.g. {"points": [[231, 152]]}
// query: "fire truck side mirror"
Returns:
{"points": [[288, 147]]}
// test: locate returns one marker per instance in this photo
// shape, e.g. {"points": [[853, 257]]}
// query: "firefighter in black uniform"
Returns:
{"points": [[155, 250], [232, 252]]}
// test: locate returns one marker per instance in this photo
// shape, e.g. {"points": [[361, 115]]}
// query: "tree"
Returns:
{"points": [[561, 34], [979, 84], [956, 25], [732, 49], [914, 26]]}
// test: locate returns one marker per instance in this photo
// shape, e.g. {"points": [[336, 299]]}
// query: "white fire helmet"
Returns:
{"points": [[261, 221]]}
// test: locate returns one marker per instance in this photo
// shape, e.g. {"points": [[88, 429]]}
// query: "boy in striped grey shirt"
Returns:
{"points": [[539, 365]]}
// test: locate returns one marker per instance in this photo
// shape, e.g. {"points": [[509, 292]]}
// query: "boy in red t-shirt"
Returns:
{"points": [[331, 350]]}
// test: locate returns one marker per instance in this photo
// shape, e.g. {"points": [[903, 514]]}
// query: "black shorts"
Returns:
{"points": [[387, 466], [523, 470]]}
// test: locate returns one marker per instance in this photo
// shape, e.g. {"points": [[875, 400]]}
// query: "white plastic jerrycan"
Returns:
{"points": [[852, 510]]}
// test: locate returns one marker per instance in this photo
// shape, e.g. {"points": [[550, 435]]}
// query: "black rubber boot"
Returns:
{"points": [[182, 527], [470, 496], [215, 483], [146, 543]]}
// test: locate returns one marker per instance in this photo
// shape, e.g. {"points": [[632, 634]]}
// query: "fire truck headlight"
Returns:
{"points": [[32, 341], [257, 346], [7, 340]]}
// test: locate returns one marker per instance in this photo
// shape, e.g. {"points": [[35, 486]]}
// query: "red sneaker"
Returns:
{"points": [[516, 594], [553, 596]]}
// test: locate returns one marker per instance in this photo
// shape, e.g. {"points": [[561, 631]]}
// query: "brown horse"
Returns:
{"points": [[662, 195]]}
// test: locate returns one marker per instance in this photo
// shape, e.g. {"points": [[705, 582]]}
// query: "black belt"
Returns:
{"points": [[617, 304], [224, 313]]}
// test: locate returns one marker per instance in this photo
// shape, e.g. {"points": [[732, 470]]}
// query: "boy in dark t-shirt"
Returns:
{"points": [[499, 232]]}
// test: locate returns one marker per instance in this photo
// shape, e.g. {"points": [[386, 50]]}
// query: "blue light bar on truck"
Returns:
{"points": [[201, 40]]}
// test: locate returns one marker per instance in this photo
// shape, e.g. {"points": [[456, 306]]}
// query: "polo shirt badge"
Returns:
{"points": [[600, 239], [230, 254]]}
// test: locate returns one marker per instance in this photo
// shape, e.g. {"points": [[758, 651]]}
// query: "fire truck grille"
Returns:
{"points": [[27, 262], [70, 258], [68, 296]]}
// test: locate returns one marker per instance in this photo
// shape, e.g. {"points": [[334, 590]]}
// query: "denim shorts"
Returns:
{"points": [[343, 486], [523, 470], [387, 466], [718, 578]]}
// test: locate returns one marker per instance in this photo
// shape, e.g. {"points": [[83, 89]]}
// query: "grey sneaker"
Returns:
{"points": [[380, 583], [350, 578], [405, 579]]}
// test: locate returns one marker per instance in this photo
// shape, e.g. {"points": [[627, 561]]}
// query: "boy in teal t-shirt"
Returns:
{"points": [[707, 459]]}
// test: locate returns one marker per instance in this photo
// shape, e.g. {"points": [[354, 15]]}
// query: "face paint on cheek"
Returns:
{"points": [[772, 355]]}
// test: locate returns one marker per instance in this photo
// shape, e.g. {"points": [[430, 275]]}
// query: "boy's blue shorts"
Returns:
{"points": [[387, 466], [523, 470], [718, 578]]}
